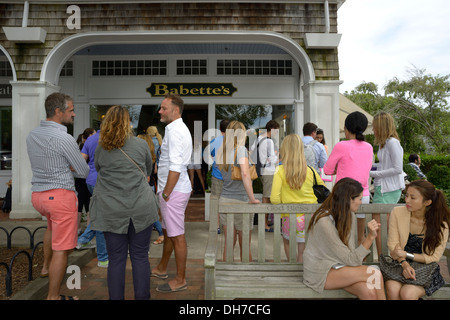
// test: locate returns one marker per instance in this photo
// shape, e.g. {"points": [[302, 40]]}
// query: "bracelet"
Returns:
{"points": [[402, 261], [409, 256]]}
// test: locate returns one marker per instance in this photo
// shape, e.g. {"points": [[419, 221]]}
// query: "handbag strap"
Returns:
{"points": [[314, 174], [126, 155], [249, 160]]}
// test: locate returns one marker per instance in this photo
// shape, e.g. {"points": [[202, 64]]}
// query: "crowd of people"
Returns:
{"points": [[129, 185]]}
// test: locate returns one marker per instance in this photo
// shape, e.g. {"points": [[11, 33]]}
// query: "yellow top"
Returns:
{"points": [[282, 193]]}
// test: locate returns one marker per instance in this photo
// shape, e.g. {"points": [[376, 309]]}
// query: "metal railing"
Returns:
{"points": [[9, 267]]}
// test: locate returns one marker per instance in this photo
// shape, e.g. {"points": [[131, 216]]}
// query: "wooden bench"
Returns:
{"points": [[269, 275]]}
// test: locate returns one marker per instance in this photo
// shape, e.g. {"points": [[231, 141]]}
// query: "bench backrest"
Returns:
{"points": [[261, 209]]}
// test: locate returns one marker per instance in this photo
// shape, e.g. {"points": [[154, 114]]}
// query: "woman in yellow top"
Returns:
{"points": [[293, 183]]}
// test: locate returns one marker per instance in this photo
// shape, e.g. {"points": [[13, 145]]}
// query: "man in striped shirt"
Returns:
{"points": [[55, 160]]}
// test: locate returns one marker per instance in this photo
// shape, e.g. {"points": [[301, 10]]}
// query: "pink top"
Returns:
{"points": [[352, 159]]}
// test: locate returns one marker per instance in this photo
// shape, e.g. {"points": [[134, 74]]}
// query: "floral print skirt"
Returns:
{"points": [[300, 227]]}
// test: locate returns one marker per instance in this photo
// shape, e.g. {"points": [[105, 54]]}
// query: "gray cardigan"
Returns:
{"points": [[389, 173], [121, 192], [324, 249]]}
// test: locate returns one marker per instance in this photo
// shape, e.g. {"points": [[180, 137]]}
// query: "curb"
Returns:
{"points": [[37, 289]]}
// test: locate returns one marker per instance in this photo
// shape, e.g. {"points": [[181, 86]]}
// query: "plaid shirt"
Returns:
{"points": [[418, 171]]}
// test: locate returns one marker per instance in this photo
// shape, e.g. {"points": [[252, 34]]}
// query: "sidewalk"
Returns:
{"points": [[93, 278]]}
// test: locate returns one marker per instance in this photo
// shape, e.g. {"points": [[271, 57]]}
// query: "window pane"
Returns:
{"points": [[6, 137]]}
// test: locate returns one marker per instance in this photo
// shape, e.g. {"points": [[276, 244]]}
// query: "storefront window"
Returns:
{"points": [[256, 116], [6, 137], [142, 116]]}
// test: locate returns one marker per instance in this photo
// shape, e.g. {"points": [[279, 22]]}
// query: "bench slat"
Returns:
{"points": [[269, 276]]}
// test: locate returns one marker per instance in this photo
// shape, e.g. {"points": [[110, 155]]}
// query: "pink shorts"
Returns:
{"points": [[172, 212], [60, 207]]}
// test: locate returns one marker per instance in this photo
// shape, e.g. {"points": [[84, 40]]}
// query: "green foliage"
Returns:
{"points": [[208, 179], [257, 186], [419, 105], [410, 172], [439, 175]]}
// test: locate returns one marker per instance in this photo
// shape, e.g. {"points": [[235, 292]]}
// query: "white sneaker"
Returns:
{"points": [[103, 264], [84, 246]]}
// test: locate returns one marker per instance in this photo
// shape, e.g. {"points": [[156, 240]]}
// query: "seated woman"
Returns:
{"points": [[331, 260], [418, 232]]}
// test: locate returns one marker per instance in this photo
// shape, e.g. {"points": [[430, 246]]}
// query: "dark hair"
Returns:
{"points": [[55, 101], [338, 206], [437, 215], [223, 125], [309, 128], [176, 100], [320, 131], [87, 132], [413, 157], [272, 124], [356, 123]]}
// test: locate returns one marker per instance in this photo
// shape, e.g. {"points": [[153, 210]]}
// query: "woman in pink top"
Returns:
{"points": [[353, 158]]}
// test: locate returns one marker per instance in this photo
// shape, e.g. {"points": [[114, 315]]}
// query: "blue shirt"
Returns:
{"points": [[321, 153], [215, 144], [89, 148]]}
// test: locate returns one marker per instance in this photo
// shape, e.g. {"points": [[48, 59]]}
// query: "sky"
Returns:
{"points": [[381, 39]]}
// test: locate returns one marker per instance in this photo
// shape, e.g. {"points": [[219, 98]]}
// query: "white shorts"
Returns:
{"points": [[365, 200]]}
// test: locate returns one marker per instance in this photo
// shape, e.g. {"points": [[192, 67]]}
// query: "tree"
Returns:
{"points": [[366, 96], [420, 106]]}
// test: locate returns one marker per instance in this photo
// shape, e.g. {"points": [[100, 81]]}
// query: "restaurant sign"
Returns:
{"points": [[192, 89], [5, 91]]}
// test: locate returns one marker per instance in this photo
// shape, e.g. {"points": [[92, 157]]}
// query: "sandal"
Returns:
{"points": [[159, 240], [67, 298]]}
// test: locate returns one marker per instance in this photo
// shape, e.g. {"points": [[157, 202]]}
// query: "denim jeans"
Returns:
{"points": [[89, 234]]}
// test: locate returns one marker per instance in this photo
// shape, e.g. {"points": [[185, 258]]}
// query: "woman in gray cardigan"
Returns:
{"points": [[389, 180], [123, 204], [331, 260]]}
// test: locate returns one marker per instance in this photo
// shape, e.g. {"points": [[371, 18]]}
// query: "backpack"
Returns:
{"points": [[310, 154], [258, 164]]}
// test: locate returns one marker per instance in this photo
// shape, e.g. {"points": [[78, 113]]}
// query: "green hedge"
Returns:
{"points": [[437, 170]]}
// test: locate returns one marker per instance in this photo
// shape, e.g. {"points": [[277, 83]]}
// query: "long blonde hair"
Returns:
{"points": [[233, 139], [152, 131], [294, 162], [384, 128], [150, 143], [115, 128]]}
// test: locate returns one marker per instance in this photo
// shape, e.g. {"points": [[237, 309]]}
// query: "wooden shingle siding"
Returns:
{"points": [[290, 19]]}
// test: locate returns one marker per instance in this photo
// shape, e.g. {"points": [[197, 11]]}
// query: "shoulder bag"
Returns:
{"points": [[392, 270], [320, 191], [236, 171]]}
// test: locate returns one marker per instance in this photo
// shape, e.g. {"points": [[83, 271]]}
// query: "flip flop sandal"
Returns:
{"points": [[165, 288], [160, 275]]}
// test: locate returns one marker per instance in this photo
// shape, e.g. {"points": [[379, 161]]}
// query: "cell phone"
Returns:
{"points": [[337, 266]]}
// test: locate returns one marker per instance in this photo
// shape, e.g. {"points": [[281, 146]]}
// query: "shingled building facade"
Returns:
{"points": [[279, 58]]}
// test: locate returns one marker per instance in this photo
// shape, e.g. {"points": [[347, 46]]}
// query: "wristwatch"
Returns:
{"points": [[165, 196]]}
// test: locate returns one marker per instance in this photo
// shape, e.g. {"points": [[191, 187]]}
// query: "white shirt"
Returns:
{"points": [[267, 155], [176, 150]]}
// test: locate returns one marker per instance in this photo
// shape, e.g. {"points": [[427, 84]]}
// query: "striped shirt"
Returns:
{"points": [[53, 152]]}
